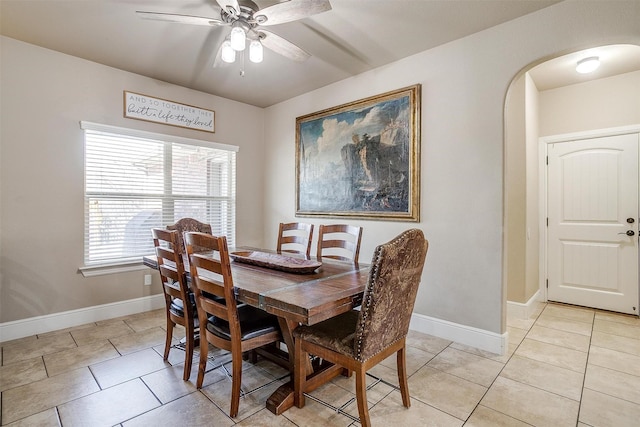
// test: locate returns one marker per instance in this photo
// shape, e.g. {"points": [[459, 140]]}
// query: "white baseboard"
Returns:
{"points": [[467, 335], [524, 311], [67, 319]]}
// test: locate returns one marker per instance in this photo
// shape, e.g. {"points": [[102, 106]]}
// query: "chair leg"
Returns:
{"points": [[361, 397], [167, 342], [236, 382], [188, 357], [402, 377], [299, 374], [204, 353]]}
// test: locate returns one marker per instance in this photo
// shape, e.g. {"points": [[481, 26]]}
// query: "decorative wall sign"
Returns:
{"points": [[143, 107], [361, 160]]}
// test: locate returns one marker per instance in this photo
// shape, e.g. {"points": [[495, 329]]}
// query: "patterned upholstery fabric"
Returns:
{"points": [[396, 269], [186, 225], [337, 333]]}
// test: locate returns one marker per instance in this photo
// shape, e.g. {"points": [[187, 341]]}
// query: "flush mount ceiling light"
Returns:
{"points": [[247, 20], [588, 65]]}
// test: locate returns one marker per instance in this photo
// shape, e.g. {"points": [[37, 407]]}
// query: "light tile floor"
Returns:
{"points": [[566, 366]]}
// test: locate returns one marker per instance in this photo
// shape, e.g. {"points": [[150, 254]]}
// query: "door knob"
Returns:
{"points": [[631, 220], [629, 233]]}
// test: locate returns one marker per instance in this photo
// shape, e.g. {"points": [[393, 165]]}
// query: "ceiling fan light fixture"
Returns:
{"points": [[245, 19], [588, 65], [227, 53], [255, 51], [238, 38]]}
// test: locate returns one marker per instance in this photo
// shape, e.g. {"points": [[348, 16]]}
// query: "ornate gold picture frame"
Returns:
{"points": [[361, 159]]}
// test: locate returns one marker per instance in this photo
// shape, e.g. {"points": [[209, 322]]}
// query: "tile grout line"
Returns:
{"points": [[505, 365], [586, 365], [449, 346]]}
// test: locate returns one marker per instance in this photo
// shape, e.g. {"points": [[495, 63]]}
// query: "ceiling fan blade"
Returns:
{"points": [[230, 6], [290, 11], [282, 46], [181, 19]]}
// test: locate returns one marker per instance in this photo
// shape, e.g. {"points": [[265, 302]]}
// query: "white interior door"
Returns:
{"points": [[592, 235]]}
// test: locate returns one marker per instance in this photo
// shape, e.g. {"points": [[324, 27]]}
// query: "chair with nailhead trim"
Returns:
{"points": [[188, 225], [359, 340]]}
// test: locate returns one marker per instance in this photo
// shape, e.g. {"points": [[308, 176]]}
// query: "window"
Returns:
{"points": [[136, 180]]}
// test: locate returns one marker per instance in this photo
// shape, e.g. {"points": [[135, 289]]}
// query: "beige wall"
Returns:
{"points": [[599, 104], [44, 96], [515, 189], [532, 223], [464, 84], [521, 190]]}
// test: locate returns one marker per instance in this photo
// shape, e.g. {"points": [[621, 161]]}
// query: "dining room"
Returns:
{"points": [[47, 287]]}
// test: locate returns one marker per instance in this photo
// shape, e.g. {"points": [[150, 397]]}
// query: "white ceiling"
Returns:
{"points": [[353, 37], [561, 71]]}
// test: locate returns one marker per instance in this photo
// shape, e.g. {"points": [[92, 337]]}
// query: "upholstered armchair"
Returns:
{"points": [[358, 340], [188, 225]]}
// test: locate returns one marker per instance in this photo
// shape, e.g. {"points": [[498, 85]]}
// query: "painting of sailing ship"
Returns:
{"points": [[361, 159]]}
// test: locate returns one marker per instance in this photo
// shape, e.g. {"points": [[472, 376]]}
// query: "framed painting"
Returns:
{"points": [[361, 159]]}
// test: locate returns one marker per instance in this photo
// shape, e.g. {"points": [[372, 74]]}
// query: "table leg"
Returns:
{"points": [[282, 398], [287, 327]]}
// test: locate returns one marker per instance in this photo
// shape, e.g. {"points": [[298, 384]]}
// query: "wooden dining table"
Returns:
{"points": [[333, 288]]}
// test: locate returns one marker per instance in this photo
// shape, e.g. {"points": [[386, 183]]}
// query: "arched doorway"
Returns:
{"points": [[545, 99]]}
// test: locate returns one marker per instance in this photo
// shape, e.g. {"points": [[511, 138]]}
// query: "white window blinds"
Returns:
{"points": [[135, 181]]}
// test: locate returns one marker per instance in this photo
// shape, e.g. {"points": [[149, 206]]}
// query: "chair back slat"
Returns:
{"points": [[211, 277], [339, 241], [394, 277], [172, 289], [215, 308], [208, 280], [295, 237], [171, 267], [169, 272]]}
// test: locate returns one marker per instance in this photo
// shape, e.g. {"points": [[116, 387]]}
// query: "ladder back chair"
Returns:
{"points": [[295, 237], [339, 241], [179, 300], [359, 340], [227, 325]]}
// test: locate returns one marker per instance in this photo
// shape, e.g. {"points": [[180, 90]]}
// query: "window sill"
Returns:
{"points": [[102, 269]]}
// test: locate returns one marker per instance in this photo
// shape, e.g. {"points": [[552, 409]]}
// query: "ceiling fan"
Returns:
{"points": [[246, 20]]}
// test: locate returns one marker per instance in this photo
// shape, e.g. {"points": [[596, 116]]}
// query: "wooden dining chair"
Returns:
{"points": [[358, 340], [185, 225], [227, 325], [339, 241], [179, 300], [295, 237]]}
